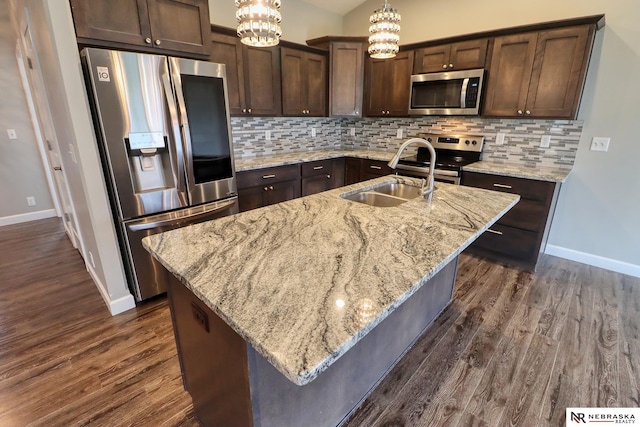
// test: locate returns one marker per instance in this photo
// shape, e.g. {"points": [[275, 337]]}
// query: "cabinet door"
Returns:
{"points": [[376, 88], [346, 79], [468, 54], [316, 88], [283, 191], [432, 59], [398, 84], [122, 21], [251, 198], [262, 80], [351, 171], [180, 25], [294, 88], [558, 70], [509, 75], [316, 184], [228, 51]]}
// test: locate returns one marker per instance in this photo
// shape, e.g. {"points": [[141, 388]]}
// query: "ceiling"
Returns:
{"points": [[340, 7]]}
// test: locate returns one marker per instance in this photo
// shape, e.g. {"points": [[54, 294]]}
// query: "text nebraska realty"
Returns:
{"points": [[612, 418]]}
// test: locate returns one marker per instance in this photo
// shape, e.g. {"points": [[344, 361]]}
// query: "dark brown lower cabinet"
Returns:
{"points": [[370, 169], [322, 175], [263, 187], [520, 236]]}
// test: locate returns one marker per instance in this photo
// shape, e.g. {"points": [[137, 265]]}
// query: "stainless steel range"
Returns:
{"points": [[452, 153]]}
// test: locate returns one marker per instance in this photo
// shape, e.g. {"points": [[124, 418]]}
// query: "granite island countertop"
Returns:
{"points": [[540, 173], [303, 281]]}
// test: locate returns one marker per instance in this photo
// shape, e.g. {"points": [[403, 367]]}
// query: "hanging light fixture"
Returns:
{"points": [[259, 22], [383, 32]]}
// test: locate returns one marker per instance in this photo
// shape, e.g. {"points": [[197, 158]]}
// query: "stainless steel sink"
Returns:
{"points": [[386, 195], [373, 198], [398, 189]]}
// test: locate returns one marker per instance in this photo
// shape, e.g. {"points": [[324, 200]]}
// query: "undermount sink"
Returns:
{"points": [[386, 195]]}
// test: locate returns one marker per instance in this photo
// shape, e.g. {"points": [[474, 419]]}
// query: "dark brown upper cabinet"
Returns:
{"points": [[539, 74], [157, 26], [388, 85], [253, 75], [346, 73], [452, 56], [304, 82]]}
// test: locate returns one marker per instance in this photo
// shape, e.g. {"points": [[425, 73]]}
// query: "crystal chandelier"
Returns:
{"points": [[259, 22], [383, 32]]}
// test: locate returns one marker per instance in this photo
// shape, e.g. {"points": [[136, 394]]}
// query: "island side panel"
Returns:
{"points": [[332, 397], [213, 359]]}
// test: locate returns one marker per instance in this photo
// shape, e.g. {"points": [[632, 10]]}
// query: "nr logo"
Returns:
{"points": [[577, 417]]}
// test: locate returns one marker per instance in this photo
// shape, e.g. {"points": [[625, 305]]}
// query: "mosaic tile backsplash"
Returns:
{"points": [[521, 145]]}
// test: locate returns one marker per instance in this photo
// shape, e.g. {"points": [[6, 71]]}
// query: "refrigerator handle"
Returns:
{"points": [[184, 124], [188, 218], [179, 162]]}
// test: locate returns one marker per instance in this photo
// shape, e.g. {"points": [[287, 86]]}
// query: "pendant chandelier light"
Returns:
{"points": [[259, 22], [383, 32]]}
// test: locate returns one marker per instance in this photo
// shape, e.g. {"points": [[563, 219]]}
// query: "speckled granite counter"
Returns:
{"points": [[519, 171], [248, 163], [275, 274]]}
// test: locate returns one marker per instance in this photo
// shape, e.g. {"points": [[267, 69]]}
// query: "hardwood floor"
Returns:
{"points": [[513, 349]]}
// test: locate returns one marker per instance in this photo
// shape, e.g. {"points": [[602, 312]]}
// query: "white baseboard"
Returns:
{"points": [[115, 306], [26, 217], [594, 260]]}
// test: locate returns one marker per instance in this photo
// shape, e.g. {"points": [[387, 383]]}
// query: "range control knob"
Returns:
{"points": [[467, 142], [474, 142]]}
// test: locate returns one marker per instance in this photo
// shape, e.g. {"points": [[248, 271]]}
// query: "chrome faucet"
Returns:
{"points": [[428, 192]]}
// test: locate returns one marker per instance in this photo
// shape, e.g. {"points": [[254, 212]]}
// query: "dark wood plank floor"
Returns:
{"points": [[513, 349]]}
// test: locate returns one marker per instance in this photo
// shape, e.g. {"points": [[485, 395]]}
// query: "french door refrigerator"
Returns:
{"points": [[162, 126]]}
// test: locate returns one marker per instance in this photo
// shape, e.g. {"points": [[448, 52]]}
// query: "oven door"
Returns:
{"points": [[450, 93]]}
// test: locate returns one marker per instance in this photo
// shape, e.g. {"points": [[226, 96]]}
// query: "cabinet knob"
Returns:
{"points": [[328, 176], [147, 40], [527, 112], [450, 65], [388, 112], [519, 112], [244, 110], [271, 187], [249, 110], [444, 66], [266, 188], [158, 42], [382, 112]]}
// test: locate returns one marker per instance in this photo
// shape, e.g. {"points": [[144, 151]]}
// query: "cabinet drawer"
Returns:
{"points": [[526, 188], [374, 168], [252, 178], [509, 243], [320, 167]]}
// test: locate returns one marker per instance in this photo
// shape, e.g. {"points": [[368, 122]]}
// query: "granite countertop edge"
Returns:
{"points": [[516, 170]]}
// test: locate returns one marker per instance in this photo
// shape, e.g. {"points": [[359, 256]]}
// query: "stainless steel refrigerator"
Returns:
{"points": [[163, 131]]}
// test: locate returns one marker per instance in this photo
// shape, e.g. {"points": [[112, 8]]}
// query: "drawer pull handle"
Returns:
{"points": [[375, 167], [317, 168], [502, 186], [328, 176], [499, 233], [268, 176]]}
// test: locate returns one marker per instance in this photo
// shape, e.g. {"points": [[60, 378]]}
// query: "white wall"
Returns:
{"points": [[21, 166], [300, 21], [65, 91], [598, 211]]}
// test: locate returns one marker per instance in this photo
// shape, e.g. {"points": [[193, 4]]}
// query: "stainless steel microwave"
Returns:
{"points": [[451, 93]]}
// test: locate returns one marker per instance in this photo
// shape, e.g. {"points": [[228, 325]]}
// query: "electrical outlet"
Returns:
{"points": [[500, 138], [313, 132], [12, 134], [267, 135], [352, 131], [399, 133], [31, 201], [545, 140], [93, 263], [600, 143]]}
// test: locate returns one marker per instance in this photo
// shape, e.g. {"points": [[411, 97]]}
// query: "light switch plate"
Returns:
{"points": [[313, 132], [500, 138], [399, 133], [12, 134], [600, 143], [545, 140]]}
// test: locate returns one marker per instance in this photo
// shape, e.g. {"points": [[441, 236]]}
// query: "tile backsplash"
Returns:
{"points": [[521, 145]]}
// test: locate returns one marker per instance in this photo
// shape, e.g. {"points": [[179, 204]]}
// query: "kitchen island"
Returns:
{"points": [[290, 315]]}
